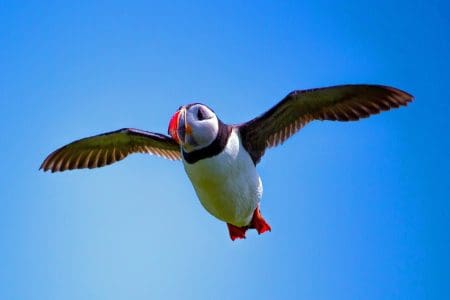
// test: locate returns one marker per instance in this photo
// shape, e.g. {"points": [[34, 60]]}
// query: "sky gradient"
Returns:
{"points": [[358, 210]]}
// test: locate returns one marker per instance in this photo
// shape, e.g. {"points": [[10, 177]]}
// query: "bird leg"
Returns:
{"points": [[236, 232], [258, 222]]}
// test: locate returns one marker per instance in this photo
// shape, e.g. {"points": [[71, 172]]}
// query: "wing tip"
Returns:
{"points": [[44, 167]]}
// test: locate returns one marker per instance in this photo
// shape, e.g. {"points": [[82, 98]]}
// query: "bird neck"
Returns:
{"points": [[212, 149]]}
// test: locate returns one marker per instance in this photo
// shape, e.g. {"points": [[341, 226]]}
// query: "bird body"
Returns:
{"points": [[227, 184], [220, 159]]}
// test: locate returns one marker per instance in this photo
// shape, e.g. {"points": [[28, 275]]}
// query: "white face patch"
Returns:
{"points": [[204, 127]]}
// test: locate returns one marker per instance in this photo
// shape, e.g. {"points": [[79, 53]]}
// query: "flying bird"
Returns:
{"points": [[220, 159]]}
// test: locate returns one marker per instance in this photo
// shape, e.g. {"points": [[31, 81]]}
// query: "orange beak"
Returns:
{"points": [[178, 127], [173, 126]]}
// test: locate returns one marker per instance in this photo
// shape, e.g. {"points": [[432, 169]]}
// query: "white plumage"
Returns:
{"points": [[227, 184]]}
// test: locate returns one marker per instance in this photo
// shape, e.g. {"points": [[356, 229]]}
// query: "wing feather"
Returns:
{"points": [[107, 148], [336, 103]]}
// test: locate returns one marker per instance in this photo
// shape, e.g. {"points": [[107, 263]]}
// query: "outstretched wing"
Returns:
{"points": [[107, 148], [336, 103]]}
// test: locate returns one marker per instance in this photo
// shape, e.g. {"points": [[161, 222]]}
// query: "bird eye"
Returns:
{"points": [[200, 114]]}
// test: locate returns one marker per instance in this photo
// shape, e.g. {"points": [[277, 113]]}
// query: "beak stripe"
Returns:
{"points": [[173, 126]]}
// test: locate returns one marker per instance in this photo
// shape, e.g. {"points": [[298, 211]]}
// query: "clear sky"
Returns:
{"points": [[358, 210]]}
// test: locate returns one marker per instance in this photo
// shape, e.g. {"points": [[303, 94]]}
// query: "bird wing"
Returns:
{"points": [[336, 103], [107, 148]]}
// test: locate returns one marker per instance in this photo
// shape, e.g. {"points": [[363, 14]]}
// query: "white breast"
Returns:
{"points": [[227, 184]]}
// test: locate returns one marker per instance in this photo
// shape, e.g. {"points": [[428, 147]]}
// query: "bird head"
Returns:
{"points": [[194, 126]]}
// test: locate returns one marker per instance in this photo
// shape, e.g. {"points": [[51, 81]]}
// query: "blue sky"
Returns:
{"points": [[358, 210]]}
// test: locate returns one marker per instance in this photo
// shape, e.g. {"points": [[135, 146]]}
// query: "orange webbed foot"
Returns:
{"points": [[236, 232], [259, 223]]}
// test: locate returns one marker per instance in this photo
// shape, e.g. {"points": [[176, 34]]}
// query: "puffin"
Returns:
{"points": [[220, 159]]}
